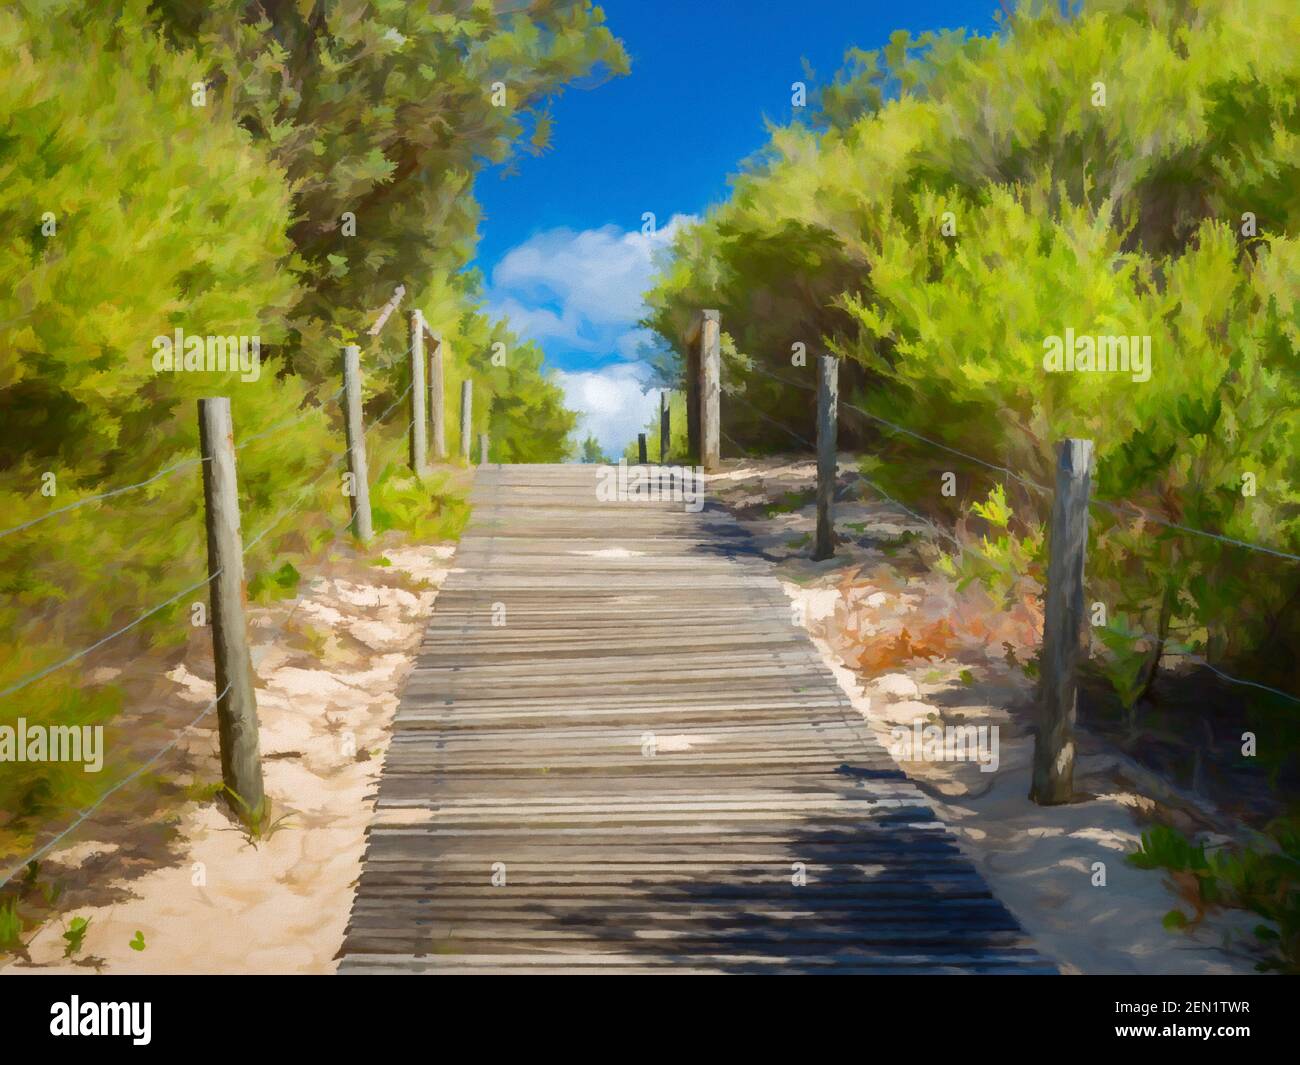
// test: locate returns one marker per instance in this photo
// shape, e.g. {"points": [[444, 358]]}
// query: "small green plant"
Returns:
{"points": [[432, 509], [257, 819], [278, 584], [137, 943], [1262, 879], [203, 790], [74, 935], [1127, 665], [788, 503], [999, 563], [11, 925]]}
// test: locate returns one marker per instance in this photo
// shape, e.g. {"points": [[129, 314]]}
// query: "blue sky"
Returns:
{"points": [[562, 249]]}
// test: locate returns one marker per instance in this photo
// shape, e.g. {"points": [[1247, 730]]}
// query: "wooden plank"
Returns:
{"points": [[617, 753]]}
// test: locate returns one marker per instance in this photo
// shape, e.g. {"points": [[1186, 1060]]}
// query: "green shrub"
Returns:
{"points": [[1262, 879]]}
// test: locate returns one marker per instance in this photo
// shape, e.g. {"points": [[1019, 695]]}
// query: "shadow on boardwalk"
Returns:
{"points": [[645, 766]]}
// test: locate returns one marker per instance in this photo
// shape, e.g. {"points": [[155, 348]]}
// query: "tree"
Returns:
{"points": [[1127, 169], [381, 113], [591, 451]]}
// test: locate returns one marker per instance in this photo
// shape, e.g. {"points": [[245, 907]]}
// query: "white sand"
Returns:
{"points": [[222, 904]]}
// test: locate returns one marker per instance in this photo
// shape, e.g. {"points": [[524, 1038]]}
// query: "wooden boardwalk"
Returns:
{"points": [[646, 755]]}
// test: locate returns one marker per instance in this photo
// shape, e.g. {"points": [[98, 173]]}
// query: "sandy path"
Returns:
{"points": [[330, 666]]}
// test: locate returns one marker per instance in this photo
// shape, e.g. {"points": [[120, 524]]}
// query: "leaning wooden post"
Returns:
{"points": [[437, 396], [640, 448], [241, 760], [482, 449], [828, 398], [359, 499], [419, 443], [387, 310], [710, 389], [1064, 630], [466, 432], [665, 436]]}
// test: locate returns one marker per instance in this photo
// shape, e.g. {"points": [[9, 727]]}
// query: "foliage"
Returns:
{"points": [[75, 935], [955, 201], [1004, 562], [590, 450], [678, 448], [386, 110], [1263, 879], [11, 925], [136, 206]]}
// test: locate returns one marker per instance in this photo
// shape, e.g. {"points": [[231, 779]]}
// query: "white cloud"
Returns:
{"points": [[598, 274], [579, 294], [538, 323], [580, 291], [610, 402]]}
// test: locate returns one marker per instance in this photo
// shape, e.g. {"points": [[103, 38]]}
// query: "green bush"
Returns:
{"points": [[1263, 879], [135, 208], [956, 201]]}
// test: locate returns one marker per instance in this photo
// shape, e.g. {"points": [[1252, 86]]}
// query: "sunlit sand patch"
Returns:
{"points": [[899, 685], [1128, 798], [1112, 839], [215, 896], [197, 689]]}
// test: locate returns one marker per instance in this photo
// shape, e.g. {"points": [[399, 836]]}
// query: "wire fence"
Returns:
{"points": [[300, 500], [1115, 507], [1119, 509]]}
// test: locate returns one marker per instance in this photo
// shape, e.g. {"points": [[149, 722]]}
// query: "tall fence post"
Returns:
{"points": [[482, 449], [241, 760], [359, 500], [640, 449], [466, 431], [665, 435], [828, 397], [1064, 628], [419, 424], [710, 389], [438, 396]]}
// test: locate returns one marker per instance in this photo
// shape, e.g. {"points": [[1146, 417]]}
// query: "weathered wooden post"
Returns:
{"points": [[482, 449], [665, 436], [828, 397], [241, 760], [359, 500], [466, 430], [710, 389], [419, 428], [387, 309], [703, 342], [640, 448], [437, 396], [1064, 631]]}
